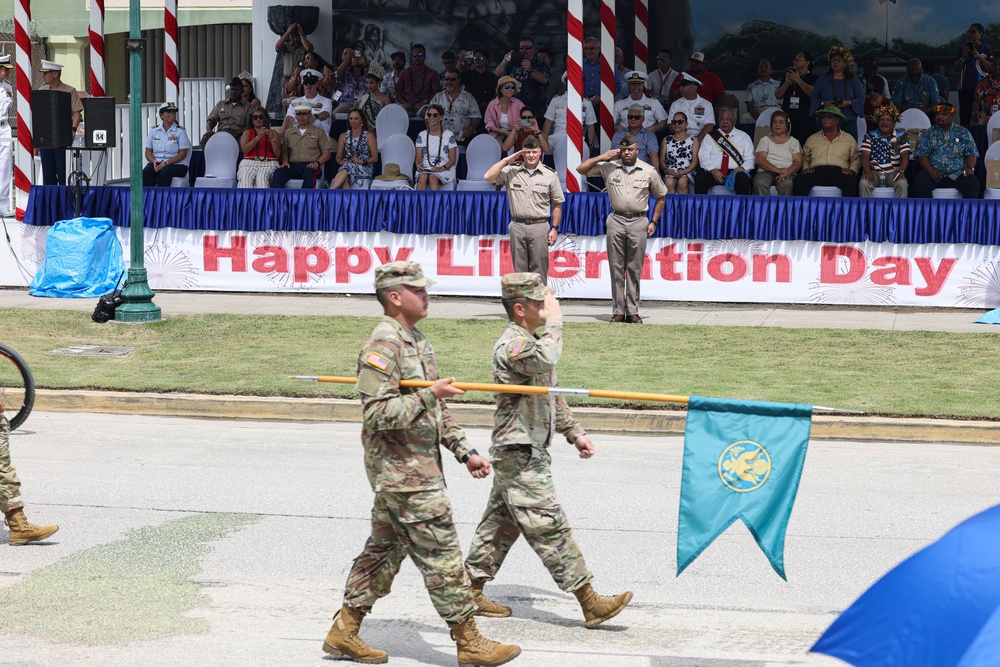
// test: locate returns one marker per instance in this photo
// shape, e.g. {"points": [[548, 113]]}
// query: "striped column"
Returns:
{"points": [[605, 114], [170, 51], [640, 44], [97, 48], [23, 154], [574, 94]]}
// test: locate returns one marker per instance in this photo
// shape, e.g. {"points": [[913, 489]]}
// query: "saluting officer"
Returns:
{"points": [[6, 147], [167, 145], [629, 182], [532, 190]]}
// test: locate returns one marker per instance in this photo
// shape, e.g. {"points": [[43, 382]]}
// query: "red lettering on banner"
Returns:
{"points": [[935, 279], [830, 272], [738, 264], [506, 259], [668, 258], [646, 273], [694, 261], [593, 262], [446, 260], [270, 258], [385, 254], [563, 264], [782, 268], [486, 257], [313, 259], [896, 271], [345, 267], [213, 253]]}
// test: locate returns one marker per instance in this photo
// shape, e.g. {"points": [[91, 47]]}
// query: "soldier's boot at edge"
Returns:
{"points": [[22, 531], [486, 606], [343, 639], [474, 650], [599, 608]]}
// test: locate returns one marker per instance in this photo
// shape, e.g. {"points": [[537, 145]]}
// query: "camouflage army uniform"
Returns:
{"points": [[10, 485], [411, 515], [523, 499]]}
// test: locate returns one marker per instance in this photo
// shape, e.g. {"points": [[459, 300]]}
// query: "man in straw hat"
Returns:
{"points": [[830, 157], [523, 499], [403, 431], [54, 160], [6, 146]]}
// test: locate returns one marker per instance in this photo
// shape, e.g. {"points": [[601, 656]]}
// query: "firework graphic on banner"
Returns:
{"points": [[287, 242], [983, 290], [742, 247], [567, 244], [169, 268], [860, 293]]}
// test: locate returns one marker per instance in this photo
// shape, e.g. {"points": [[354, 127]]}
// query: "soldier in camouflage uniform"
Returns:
{"points": [[403, 428], [21, 531], [523, 500]]}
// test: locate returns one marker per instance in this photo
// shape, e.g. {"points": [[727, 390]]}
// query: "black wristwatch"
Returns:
{"points": [[465, 459]]}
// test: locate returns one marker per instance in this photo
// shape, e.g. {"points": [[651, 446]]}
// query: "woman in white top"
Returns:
{"points": [[437, 152], [779, 158]]}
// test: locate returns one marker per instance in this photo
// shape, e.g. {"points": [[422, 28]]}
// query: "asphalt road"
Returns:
{"points": [[203, 542]]}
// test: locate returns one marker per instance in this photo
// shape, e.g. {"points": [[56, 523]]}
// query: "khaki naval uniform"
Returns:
{"points": [[628, 190], [531, 195]]}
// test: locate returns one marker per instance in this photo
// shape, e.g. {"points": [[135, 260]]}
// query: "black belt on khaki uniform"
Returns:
{"points": [[530, 221], [628, 216]]}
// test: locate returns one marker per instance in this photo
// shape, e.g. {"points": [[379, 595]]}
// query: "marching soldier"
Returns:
{"points": [[21, 531], [403, 428], [523, 499]]}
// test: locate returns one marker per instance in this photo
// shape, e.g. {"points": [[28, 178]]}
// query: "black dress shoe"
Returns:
{"points": [[617, 318], [633, 319]]}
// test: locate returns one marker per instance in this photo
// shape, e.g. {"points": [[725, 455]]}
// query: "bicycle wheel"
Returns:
{"points": [[17, 387]]}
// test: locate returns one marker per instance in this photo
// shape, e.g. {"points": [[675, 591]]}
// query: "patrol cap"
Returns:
{"points": [[687, 79], [169, 106], [401, 273], [635, 76], [49, 66], [5, 62], [627, 140], [531, 142], [311, 76], [523, 286]]}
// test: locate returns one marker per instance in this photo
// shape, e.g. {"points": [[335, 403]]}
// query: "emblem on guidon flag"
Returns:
{"points": [[744, 466]]}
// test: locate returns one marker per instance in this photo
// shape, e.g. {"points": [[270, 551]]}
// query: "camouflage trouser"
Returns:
{"points": [[10, 485], [523, 501], [418, 525]]}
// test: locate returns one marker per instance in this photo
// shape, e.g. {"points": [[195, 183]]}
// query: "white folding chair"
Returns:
{"points": [[862, 130], [913, 119], [825, 191], [399, 150], [483, 152], [183, 181], [221, 155], [993, 124], [720, 190], [764, 119], [392, 119]]}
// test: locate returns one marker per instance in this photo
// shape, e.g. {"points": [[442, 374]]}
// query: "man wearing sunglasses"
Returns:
{"points": [[645, 140], [660, 79], [531, 73], [322, 106], [479, 81], [305, 149], [655, 116], [418, 83], [461, 111]]}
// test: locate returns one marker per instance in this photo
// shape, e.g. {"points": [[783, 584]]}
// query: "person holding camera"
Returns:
{"points": [[311, 61], [531, 74], [526, 126], [795, 94], [293, 46], [840, 88], [351, 73], [974, 64]]}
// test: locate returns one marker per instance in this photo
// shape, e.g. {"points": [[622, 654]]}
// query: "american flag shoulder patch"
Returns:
{"points": [[376, 360], [520, 347]]}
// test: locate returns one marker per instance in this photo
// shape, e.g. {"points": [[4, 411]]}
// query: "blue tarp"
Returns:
{"points": [[83, 258]]}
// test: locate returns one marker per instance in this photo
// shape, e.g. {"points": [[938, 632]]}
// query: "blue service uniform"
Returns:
{"points": [[165, 144]]}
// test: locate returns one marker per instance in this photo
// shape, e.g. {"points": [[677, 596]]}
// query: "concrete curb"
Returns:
{"points": [[598, 420]]}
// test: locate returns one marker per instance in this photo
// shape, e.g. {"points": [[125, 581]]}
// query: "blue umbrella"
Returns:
{"points": [[938, 608]]}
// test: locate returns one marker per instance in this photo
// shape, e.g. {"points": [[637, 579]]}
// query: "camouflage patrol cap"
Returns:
{"points": [[523, 285], [531, 142], [627, 139], [401, 273]]}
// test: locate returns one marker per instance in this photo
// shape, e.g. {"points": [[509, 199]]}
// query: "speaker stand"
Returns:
{"points": [[78, 180]]}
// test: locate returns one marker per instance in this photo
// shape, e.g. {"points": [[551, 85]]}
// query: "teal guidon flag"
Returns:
{"points": [[742, 460]]}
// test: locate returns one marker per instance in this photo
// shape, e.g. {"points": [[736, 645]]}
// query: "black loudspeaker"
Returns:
{"points": [[99, 122], [51, 118]]}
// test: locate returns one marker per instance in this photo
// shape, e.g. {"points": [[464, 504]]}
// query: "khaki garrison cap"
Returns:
{"points": [[401, 273], [523, 286], [627, 140], [531, 142]]}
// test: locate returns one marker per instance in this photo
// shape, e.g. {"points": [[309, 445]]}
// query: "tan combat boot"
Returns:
{"points": [[599, 608], [484, 605], [22, 532], [474, 650], [343, 639]]}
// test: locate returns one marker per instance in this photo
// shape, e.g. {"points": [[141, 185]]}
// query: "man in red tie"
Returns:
{"points": [[726, 157]]}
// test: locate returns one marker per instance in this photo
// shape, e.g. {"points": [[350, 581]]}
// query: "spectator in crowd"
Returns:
{"points": [[679, 156], [662, 78], [726, 157], [874, 100], [230, 115], [555, 72], [248, 92], [357, 153], [621, 72], [6, 147], [461, 114], [646, 141], [711, 85], [504, 110], [351, 73], [322, 107], [796, 94], [947, 156], [698, 110], [840, 88], [479, 81], [327, 80], [830, 157], [389, 80], [437, 152], [916, 90], [418, 83], [762, 93], [305, 149], [531, 74], [944, 85], [871, 77], [526, 126], [373, 101], [54, 159], [293, 46], [655, 116], [974, 63], [167, 144], [987, 98], [261, 152], [555, 117], [779, 158], [448, 61], [885, 154], [592, 70]]}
